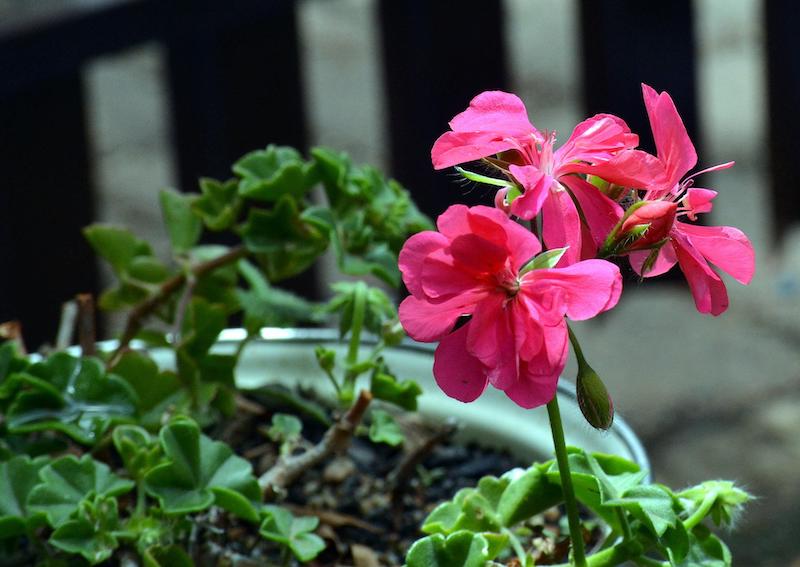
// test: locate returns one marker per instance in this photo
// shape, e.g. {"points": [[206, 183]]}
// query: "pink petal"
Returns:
{"points": [[528, 334], [495, 111], [698, 201], [426, 321], [600, 213], [538, 378], [674, 147], [596, 139], [587, 288], [491, 340], [724, 246], [478, 255], [536, 185], [453, 148], [708, 290], [664, 261], [458, 374], [561, 225], [492, 224], [453, 222], [414, 251], [443, 277], [629, 168]]}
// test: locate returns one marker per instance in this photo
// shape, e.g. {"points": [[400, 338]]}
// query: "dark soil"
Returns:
{"points": [[369, 514]]}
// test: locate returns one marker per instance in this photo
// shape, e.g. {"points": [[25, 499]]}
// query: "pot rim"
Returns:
{"points": [[315, 335]]}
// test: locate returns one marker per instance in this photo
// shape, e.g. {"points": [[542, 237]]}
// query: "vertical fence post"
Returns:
{"points": [[46, 199], [783, 95], [435, 60]]}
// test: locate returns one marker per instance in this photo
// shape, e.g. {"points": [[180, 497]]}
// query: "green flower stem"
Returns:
{"points": [[701, 512], [626, 527], [359, 310], [575, 533]]}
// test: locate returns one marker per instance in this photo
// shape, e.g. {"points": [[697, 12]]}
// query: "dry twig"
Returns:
{"points": [[335, 440], [86, 330]]}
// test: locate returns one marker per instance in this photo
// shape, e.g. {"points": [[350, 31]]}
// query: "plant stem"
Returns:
{"points": [[626, 527], [86, 330], [575, 531], [516, 545], [701, 512], [359, 309], [139, 313], [613, 556]]}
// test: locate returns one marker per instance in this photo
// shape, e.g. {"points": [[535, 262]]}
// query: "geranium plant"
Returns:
{"points": [[482, 287], [109, 454]]}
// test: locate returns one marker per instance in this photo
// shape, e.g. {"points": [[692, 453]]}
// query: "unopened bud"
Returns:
{"points": [[392, 333], [647, 225], [595, 403]]}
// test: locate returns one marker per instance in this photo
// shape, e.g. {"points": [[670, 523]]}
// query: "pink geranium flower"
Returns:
{"points": [[516, 336], [497, 123], [692, 247]]}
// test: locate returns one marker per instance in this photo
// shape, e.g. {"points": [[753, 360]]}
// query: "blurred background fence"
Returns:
{"points": [[103, 102]]}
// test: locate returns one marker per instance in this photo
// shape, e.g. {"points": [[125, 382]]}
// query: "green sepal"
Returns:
{"points": [[200, 472], [547, 259], [296, 533]]}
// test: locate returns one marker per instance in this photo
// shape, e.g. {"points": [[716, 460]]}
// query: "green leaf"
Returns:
{"points": [[377, 310], [220, 204], [285, 427], [284, 241], [137, 448], [154, 388], [651, 504], [148, 269], [384, 429], [268, 306], [67, 481], [183, 225], [71, 395], [473, 509], [280, 526], [462, 548], [118, 246], [166, 556], [92, 533], [706, 550], [200, 472], [268, 175], [527, 494], [18, 476], [387, 388], [202, 324]]}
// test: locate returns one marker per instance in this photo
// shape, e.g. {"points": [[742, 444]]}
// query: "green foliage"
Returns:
{"points": [[183, 224], [72, 395], [166, 556], [138, 450], [463, 548], [219, 204], [18, 476], [92, 533], [296, 534], [384, 386], [658, 520], [199, 472], [268, 175], [384, 429], [377, 306], [156, 389], [285, 430], [67, 482]]}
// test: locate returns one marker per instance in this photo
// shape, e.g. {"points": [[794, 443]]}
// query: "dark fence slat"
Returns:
{"points": [[46, 199], [628, 42], [783, 81], [435, 59]]}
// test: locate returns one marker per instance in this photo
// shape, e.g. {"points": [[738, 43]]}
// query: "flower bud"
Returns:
{"points": [[648, 224], [593, 399]]}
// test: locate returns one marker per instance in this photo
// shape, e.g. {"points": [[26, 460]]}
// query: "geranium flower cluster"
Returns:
{"points": [[496, 305]]}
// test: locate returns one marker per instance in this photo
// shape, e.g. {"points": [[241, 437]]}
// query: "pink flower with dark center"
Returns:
{"points": [[516, 337], [496, 123], [692, 247]]}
